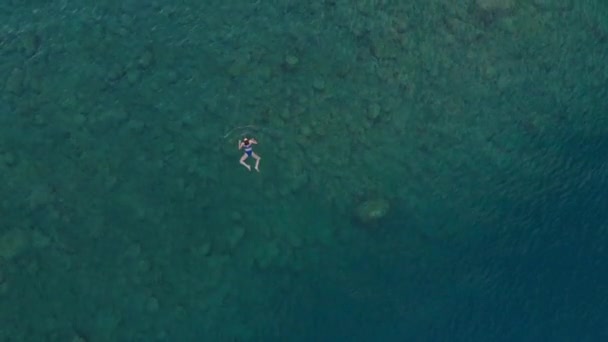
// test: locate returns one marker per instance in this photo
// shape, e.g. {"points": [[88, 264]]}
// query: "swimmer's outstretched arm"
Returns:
{"points": [[240, 144], [253, 141]]}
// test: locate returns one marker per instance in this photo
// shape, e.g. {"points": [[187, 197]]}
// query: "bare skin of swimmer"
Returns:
{"points": [[247, 145]]}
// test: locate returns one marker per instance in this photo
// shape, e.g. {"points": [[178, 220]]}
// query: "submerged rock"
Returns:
{"points": [[13, 243], [372, 210], [495, 5], [487, 12]]}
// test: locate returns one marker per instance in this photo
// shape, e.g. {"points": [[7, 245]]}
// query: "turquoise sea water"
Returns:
{"points": [[431, 170]]}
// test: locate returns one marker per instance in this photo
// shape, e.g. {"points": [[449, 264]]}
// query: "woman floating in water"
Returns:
{"points": [[247, 145]]}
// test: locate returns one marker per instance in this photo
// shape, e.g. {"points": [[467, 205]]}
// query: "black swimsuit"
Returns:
{"points": [[248, 149]]}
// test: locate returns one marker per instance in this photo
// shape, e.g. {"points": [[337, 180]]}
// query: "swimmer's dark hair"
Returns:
{"points": [[246, 141]]}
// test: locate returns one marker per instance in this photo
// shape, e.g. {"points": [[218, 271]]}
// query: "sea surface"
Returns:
{"points": [[430, 170]]}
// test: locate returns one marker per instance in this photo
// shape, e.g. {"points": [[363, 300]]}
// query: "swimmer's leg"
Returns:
{"points": [[242, 161], [257, 161]]}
